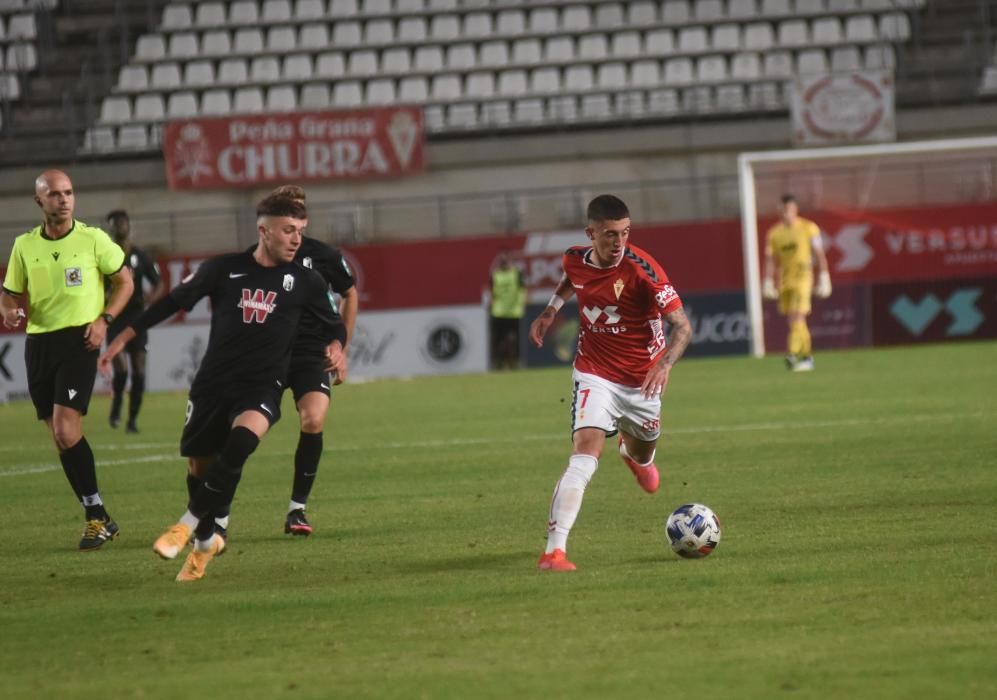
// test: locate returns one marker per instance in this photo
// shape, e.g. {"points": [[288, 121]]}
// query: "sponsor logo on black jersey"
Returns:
{"points": [[256, 305]]}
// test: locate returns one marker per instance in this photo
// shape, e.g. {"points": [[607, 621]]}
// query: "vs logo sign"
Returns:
{"points": [[593, 314], [850, 241], [960, 305]]}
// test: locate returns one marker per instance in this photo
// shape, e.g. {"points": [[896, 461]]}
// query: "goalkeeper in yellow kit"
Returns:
{"points": [[793, 244]]}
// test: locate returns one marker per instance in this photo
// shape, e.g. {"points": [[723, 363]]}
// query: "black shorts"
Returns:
{"points": [[140, 343], [307, 373], [211, 412], [60, 370]]}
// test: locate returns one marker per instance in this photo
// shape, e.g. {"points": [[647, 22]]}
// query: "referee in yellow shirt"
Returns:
{"points": [[793, 244], [58, 269]]}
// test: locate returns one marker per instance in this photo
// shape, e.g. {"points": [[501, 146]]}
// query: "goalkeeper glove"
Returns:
{"points": [[823, 290], [768, 289]]}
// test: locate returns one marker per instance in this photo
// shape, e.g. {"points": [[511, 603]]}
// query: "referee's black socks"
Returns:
{"points": [[78, 461]]}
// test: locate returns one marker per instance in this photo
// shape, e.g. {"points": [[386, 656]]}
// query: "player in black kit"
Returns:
{"points": [[308, 379], [143, 268], [257, 300]]}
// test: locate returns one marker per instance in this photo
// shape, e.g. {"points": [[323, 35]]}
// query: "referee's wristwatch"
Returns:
{"points": [[108, 318]]}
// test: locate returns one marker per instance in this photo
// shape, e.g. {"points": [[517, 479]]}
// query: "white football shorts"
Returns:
{"points": [[600, 403]]}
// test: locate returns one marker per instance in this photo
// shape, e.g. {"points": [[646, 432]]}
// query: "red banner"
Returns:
{"points": [[908, 244], [246, 151]]}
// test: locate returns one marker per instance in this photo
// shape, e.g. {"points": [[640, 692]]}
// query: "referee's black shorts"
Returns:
{"points": [[212, 410], [60, 370]]}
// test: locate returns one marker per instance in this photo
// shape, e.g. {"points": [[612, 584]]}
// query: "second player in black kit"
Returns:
{"points": [[257, 300], [144, 269], [307, 374]]}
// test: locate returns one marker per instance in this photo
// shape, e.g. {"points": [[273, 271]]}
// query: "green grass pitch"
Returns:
{"points": [[858, 559]]}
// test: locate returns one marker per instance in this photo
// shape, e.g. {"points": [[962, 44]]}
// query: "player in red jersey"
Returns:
{"points": [[622, 363]]}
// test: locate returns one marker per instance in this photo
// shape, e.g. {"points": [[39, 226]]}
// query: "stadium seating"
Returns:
{"points": [[498, 62]]}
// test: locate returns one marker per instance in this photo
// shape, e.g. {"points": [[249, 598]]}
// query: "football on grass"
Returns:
{"points": [[693, 530]]}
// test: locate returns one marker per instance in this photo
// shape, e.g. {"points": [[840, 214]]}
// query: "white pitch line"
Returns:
{"points": [[20, 470]]}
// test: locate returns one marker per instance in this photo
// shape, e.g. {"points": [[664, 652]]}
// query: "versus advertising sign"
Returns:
{"points": [[935, 310], [246, 151], [907, 244]]}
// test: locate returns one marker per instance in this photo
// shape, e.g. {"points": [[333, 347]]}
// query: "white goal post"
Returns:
{"points": [[797, 161]]}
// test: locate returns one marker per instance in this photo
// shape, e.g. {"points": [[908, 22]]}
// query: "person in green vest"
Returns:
{"points": [[507, 308]]}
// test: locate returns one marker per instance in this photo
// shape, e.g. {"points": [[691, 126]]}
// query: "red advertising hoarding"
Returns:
{"points": [[907, 244], [252, 150]]}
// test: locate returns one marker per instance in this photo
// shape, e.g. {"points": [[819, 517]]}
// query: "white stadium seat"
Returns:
{"points": [[330, 65], [645, 73], [494, 53], [264, 69], [133, 78], [297, 67], [746, 66], [281, 98], [181, 104], [166, 76], [199, 73], [243, 12], [860, 29], [315, 96], [248, 41], [309, 9], [210, 14], [676, 12], [281, 39], [348, 93], [216, 43], [413, 89], [116, 110], [177, 17], [150, 47], [216, 102], [233, 71], [381, 91], [396, 61], [362, 63], [313, 36], [276, 11], [150, 107], [133, 137], [248, 100], [678, 71]]}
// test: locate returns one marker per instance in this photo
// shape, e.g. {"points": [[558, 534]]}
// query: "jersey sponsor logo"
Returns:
{"points": [[74, 277], [288, 282], [231, 275], [666, 296], [594, 313], [256, 305]]}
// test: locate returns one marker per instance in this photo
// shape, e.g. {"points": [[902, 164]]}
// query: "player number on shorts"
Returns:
{"points": [[585, 396], [190, 410]]}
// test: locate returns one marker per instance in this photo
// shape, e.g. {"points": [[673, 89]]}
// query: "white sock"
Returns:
{"points": [[222, 522], [92, 500], [204, 545], [567, 500], [294, 505], [190, 520], [625, 453]]}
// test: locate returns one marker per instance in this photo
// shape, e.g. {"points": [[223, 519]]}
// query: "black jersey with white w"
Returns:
{"points": [[255, 312], [328, 262], [144, 269]]}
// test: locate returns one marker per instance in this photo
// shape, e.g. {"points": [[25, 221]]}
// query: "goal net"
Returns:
{"points": [[910, 231]]}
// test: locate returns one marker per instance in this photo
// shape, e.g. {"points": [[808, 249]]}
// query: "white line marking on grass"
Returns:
{"points": [[22, 469]]}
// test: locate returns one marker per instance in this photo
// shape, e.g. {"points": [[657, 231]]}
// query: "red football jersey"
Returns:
{"points": [[621, 331]]}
